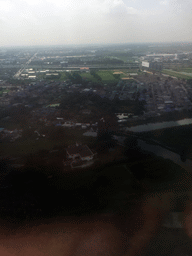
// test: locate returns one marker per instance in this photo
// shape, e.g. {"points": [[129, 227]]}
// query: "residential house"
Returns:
{"points": [[84, 69], [79, 152], [68, 124]]}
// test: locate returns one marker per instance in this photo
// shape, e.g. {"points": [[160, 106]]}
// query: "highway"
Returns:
{"points": [[24, 66]]}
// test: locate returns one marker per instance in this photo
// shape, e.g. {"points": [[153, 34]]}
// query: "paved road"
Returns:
{"points": [[24, 66]]}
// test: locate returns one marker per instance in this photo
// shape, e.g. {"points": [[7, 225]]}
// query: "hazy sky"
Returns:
{"points": [[45, 22]]}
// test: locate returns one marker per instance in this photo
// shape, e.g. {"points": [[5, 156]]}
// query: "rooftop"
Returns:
{"points": [[82, 150]]}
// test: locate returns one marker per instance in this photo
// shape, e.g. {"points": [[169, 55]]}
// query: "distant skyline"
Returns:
{"points": [[72, 22]]}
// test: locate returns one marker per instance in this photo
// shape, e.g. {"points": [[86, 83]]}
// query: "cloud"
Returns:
{"points": [[6, 6], [117, 6], [165, 2], [179, 6], [74, 21]]}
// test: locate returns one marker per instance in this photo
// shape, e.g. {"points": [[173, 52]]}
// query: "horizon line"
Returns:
{"points": [[95, 44]]}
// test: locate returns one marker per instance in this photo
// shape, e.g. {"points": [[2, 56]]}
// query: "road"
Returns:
{"points": [[24, 66], [154, 100], [184, 89]]}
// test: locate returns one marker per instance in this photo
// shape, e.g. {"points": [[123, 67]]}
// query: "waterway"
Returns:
{"points": [[161, 151], [157, 126], [166, 154]]}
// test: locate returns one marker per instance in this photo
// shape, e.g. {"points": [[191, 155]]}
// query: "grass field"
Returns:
{"points": [[131, 71], [176, 74], [124, 58], [106, 76], [3, 91], [63, 76], [88, 76], [187, 70]]}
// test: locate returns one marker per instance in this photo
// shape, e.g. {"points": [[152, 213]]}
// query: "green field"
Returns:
{"points": [[187, 70], [176, 74], [3, 90], [130, 71], [63, 76], [120, 57], [106, 75], [88, 77]]}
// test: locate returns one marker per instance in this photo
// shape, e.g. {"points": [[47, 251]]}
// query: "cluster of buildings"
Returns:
{"points": [[52, 116], [46, 73], [10, 135], [165, 95], [159, 61], [43, 98], [79, 125], [13, 57], [152, 65]]}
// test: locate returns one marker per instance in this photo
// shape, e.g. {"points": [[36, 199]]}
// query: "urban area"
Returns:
{"points": [[77, 114]]}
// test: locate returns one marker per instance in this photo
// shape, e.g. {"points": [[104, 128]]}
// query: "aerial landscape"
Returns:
{"points": [[73, 120], [95, 128]]}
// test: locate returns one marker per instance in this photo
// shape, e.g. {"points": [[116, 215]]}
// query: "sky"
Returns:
{"points": [[66, 22]]}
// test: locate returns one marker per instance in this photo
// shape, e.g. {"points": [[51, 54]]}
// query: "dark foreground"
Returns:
{"points": [[101, 211]]}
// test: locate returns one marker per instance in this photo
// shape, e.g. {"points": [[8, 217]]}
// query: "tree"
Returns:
{"points": [[183, 154], [131, 142], [117, 76], [76, 78], [27, 133], [57, 133], [106, 127], [131, 146]]}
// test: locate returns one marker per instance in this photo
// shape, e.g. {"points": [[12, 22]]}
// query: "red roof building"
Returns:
{"points": [[84, 69]]}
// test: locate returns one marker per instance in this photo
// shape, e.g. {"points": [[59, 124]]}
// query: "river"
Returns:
{"points": [[167, 154], [161, 151], [157, 126]]}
